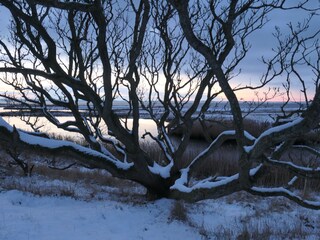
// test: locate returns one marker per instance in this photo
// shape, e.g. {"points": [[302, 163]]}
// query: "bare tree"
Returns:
{"points": [[170, 59]]}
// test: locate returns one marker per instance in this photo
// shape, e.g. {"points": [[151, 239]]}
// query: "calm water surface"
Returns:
{"points": [[145, 125]]}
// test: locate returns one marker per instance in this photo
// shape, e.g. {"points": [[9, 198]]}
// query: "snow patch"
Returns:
{"points": [[163, 171]]}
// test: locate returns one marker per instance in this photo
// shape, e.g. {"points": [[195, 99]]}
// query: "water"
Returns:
{"points": [[145, 125], [221, 109]]}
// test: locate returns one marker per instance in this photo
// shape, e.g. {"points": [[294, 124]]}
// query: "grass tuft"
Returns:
{"points": [[179, 212]]}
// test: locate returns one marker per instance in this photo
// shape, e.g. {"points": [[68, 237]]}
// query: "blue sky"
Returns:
{"points": [[262, 41]]}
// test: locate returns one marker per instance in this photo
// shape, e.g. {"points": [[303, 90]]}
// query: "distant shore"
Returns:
{"points": [[122, 110], [17, 111]]}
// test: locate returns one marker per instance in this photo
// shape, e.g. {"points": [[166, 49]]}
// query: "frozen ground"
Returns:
{"points": [[23, 216], [106, 216]]}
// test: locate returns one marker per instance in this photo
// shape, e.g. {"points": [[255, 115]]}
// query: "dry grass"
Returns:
{"points": [[51, 182], [79, 140], [222, 162], [209, 130], [179, 212], [76, 183], [260, 223], [264, 231]]}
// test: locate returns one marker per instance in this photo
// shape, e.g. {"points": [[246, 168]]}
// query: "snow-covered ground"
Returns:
{"points": [[25, 216]]}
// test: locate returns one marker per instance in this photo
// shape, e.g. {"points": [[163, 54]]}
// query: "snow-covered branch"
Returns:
{"points": [[88, 155], [280, 191], [307, 148], [213, 187], [302, 171], [272, 136]]}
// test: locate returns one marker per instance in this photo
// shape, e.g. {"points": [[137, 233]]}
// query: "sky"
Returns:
{"points": [[262, 41]]}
